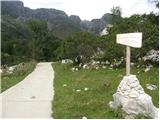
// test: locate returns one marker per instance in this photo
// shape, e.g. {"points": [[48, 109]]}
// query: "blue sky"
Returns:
{"points": [[89, 9]]}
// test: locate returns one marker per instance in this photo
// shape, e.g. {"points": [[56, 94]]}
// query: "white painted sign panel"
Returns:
{"points": [[130, 39]]}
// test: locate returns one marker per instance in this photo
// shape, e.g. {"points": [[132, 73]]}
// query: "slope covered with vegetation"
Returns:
{"points": [[31, 34]]}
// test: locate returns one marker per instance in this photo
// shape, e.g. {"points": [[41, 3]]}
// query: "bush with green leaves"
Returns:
{"points": [[80, 45]]}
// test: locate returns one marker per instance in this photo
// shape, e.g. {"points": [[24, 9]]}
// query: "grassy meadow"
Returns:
{"points": [[9, 80], [88, 92]]}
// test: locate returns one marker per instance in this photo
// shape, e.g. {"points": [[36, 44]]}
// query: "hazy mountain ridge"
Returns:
{"points": [[60, 23]]}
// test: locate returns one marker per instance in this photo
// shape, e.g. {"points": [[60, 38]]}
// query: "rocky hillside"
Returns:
{"points": [[59, 22]]}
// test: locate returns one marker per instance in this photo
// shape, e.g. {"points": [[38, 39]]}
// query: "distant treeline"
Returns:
{"points": [[32, 39]]}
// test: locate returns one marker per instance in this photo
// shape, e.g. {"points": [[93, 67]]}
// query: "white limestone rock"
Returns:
{"points": [[104, 67], [134, 101], [74, 69], [66, 61], [84, 117], [85, 89], [78, 90], [152, 55], [147, 69], [64, 85], [151, 87], [84, 66], [107, 62], [63, 62], [97, 67], [133, 93], [80, 65], [11, 68]]}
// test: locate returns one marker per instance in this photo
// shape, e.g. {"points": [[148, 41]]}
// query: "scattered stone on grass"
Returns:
{"points": [[147, 69], [139, 59], [107, 62], [11, 69], [64, 85], [78, 90], [138, 66], [97, 68], [152, 55], [66, 61], [85, 89], [104, 67], [84, 117], [151, 87], [80, 65], [84, 66], [92, 64], [74, 69]]}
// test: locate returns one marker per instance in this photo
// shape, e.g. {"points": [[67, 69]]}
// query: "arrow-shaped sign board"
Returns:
{"points": [[130, 39]]}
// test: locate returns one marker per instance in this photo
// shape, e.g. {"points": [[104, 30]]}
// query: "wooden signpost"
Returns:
{"points": [[130, 40]]}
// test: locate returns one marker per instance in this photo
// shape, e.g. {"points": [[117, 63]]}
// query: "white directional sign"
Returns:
{"points": [[130, 39]]}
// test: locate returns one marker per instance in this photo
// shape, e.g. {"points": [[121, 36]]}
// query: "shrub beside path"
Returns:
{"points": [[32, 97]]}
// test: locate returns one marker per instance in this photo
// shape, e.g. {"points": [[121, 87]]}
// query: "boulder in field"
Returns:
{"points": [[132, 98]]}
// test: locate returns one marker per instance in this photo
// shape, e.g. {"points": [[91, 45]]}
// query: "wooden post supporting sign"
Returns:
{"points": [[130, 40], [128, 56]]}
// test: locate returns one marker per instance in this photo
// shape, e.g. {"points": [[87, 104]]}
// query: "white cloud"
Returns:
{"points": [[89, 9]]}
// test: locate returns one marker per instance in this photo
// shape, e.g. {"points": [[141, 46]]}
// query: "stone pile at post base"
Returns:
{"points": [[131, 97]]}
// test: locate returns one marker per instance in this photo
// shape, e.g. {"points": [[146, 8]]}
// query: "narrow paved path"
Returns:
{"points": [[32, 97]]}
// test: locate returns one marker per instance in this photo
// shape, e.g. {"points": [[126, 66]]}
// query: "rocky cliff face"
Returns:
{"points": [[61, 24], [75, 19], [96, 25], [12, 8]]}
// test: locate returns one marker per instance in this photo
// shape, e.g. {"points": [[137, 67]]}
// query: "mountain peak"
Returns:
{"points": [[58, 20]]}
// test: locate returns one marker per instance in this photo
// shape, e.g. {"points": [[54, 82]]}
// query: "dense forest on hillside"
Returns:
{"points": [[26, 38]]}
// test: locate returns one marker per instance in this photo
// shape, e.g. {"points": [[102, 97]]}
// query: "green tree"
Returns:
{"points": [[80, 45], [116, 14], [116, 11], [42, 43], [147, 24]]}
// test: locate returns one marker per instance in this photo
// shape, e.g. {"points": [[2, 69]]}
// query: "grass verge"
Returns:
{"points": [[9, 80], [101, 84]]}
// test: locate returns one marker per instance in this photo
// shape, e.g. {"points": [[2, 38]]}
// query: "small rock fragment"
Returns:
{"points": [[64, 85], [85, 89], [84, 117], [78, 90]]}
